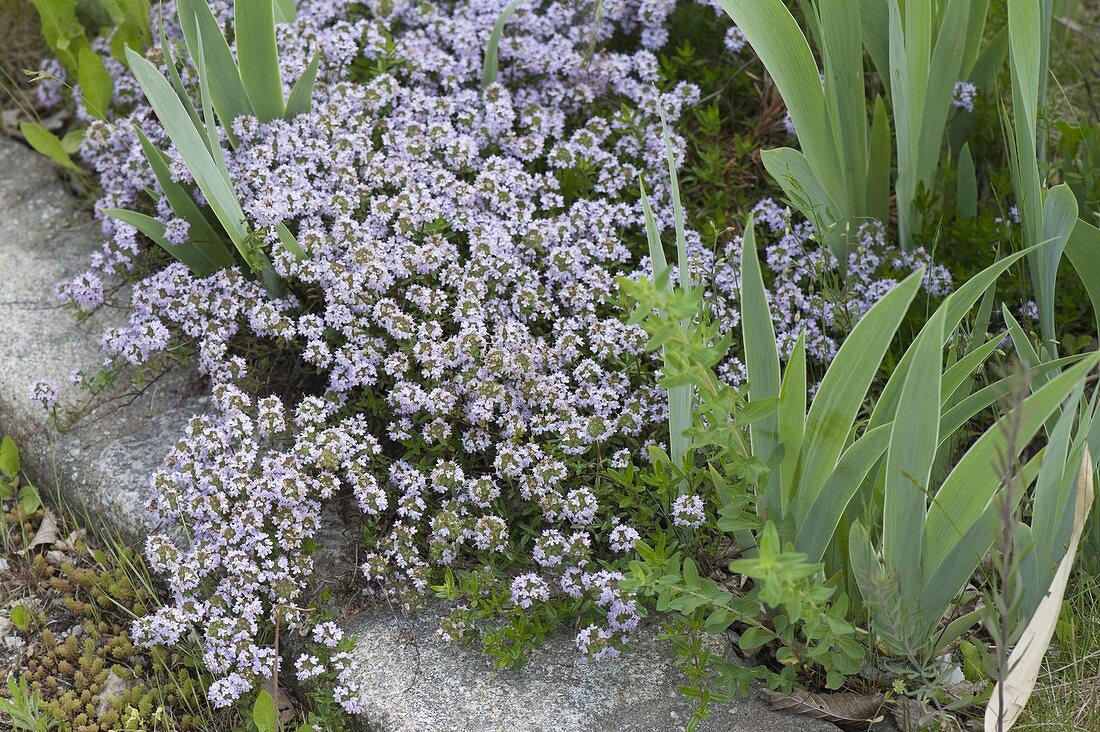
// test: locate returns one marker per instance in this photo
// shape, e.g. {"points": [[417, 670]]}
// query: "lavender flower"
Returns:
{"points": [[44, 394], [964, 95], [688, 511]]}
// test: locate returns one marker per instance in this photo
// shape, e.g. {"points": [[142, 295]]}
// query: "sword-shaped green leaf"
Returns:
{"points": [[258, 57]]}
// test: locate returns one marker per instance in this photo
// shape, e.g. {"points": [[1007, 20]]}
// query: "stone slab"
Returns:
{"points": [[102, 466], [415, 683]]}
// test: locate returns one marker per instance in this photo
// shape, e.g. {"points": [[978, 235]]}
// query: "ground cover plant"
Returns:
{"points": [[417, 252]]}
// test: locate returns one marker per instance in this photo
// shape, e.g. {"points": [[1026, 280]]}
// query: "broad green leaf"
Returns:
{"points": [[793, 173], [286, 11], [960, 373], [191, 147], [679, 397], [300, 100], [174, 78], [967, 408], [70, 143], [866, 570], [879, 163], [944, 71], [754, 637], [263, 712], [966, 186], [1083, 251], [227, 90], [653, 236], [966, 493], [46, 143], [844, 387], [62, 30], [1059, 219], [875, 20], [29, 500], [209, 243], [912, 452], [792, 416], [188, 253], [9, 458], [95, 83], [131, 26], [258, 57], [289, 242], [1052, 506], [926, 56], [20, 617], [975, 29], [957, 305], [814, 535], [682, 261], [845, 99], [761, 361], [1025, 55], [1024, 62], [490, 67], [210, 125], [991, 60], [1024, 348]]}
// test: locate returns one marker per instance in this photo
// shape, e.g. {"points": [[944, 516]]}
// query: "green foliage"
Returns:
{"points": [[47, 143], [491, 65], [95, 83], [263, 712], [62, 30], [228, 88], [23, 708], [826, 181], [1047, 216], [929, 43], [679, 396], [841, 175]]}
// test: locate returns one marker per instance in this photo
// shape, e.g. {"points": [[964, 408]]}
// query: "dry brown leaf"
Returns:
{"points": [[46, 534], [74, 539], [288, 711], [911, 715], [1027, 657], [845, 708]]}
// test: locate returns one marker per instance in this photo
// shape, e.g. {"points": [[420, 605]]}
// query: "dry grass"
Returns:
{"points": [[21, 47], [1067, 697]]}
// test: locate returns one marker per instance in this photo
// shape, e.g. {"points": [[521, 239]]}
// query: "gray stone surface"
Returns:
{"points": [[103, 465], [415, 683]]}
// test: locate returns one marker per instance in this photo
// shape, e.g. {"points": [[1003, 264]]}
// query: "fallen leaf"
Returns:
{"points": [[72, 541], [46, 534], [845, 708], [288, 711], [1027, 657]]}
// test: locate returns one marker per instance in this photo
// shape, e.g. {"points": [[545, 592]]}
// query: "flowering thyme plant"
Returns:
{"points": [[460, 364]]}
